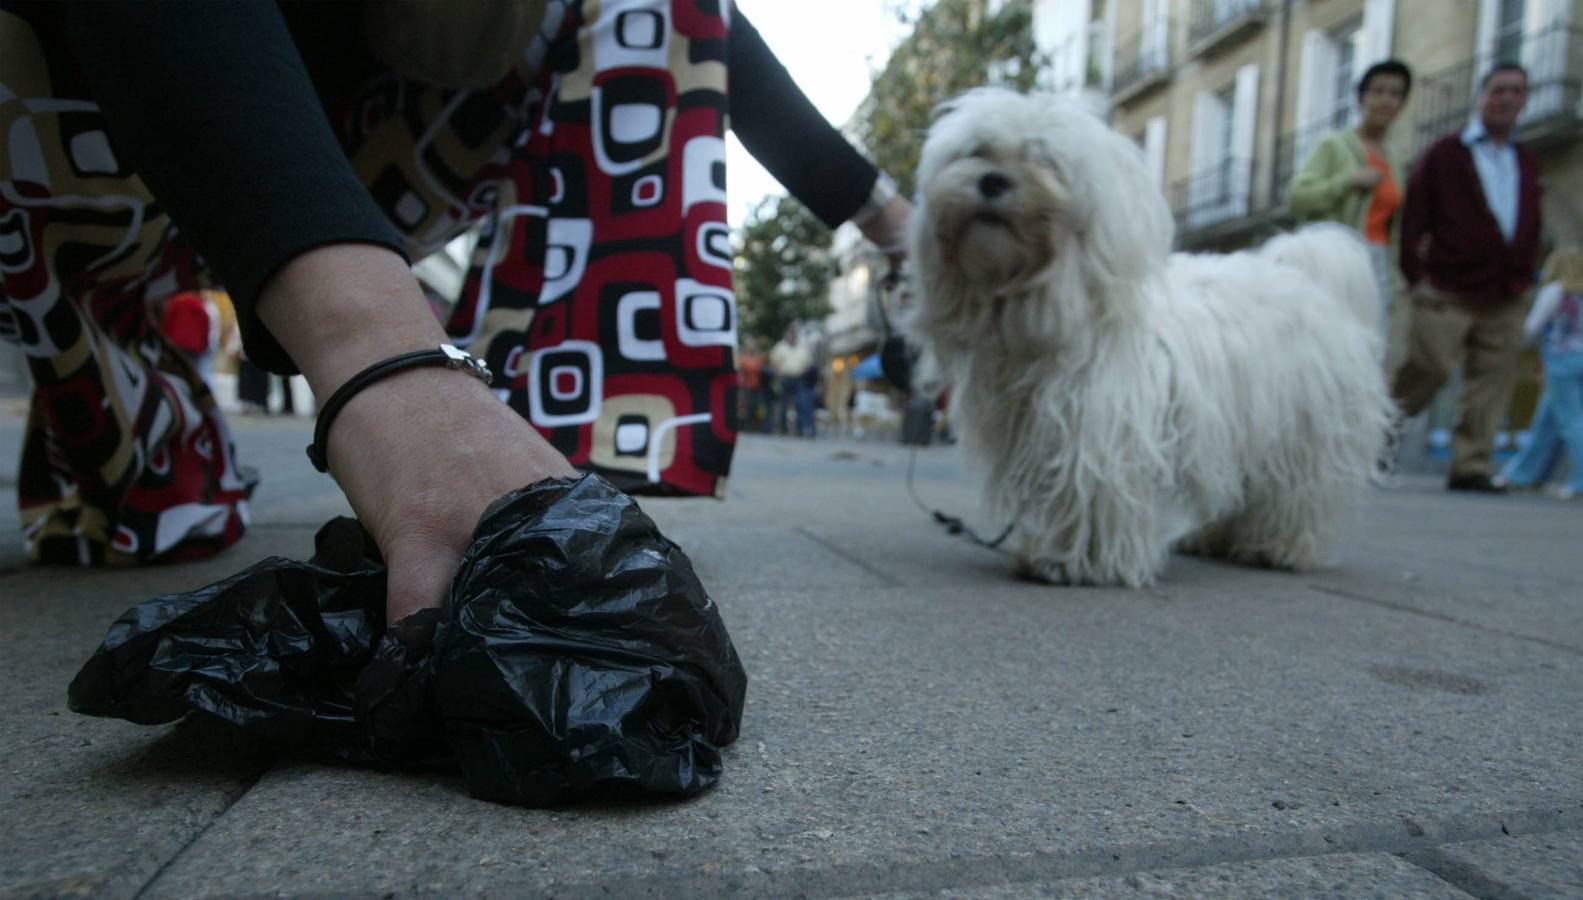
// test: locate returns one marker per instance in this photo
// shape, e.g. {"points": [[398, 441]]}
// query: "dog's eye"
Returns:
{"points": [[980, 152]]}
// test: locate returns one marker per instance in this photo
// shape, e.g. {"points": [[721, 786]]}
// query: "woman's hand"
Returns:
{"points": [[420, 453], [1365, 178], [888, 229]]}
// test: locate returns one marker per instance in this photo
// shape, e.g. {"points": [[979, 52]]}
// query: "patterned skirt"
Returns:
{"points": [[600, 291]]}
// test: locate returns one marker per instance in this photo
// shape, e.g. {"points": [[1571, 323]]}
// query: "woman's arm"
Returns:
{"points": [[211, 105], [1322, 181], [781, 128]]}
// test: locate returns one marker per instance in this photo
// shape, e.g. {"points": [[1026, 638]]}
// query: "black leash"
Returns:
{"points": [[896, 360], [953, 525]]}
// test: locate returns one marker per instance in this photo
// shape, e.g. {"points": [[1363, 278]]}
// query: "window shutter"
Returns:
{"points": [[1545, 36], [1378, 20], [1316, 91], [1484, 46], [1244, 117], [1154, 149], [1156, 42], [1206, 156]]}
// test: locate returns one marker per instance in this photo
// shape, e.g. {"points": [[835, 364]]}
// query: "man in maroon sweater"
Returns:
{"points": [[1470, 243]]}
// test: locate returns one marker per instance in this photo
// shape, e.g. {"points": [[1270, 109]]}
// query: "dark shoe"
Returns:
{"points": [[1481, 484]]}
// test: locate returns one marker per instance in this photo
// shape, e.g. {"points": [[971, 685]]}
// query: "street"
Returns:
{"points": [[919, 723]]}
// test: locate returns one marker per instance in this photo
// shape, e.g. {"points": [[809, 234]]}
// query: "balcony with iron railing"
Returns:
{"points": [[1211, 22], [1212, 198], [1553, 56], [1142, 61]]}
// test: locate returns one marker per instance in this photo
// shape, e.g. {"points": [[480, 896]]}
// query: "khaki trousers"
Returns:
{"points": [[837, 394], [1487, 340]]}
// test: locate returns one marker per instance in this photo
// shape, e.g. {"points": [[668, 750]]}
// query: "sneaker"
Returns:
{"points": [[1479, 484], [1562, 492]]}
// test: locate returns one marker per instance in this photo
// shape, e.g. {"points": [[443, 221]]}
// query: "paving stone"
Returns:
{"points": [[897, 730], [917, 721], [1344, 875], [1538, 865], [95, 806]]}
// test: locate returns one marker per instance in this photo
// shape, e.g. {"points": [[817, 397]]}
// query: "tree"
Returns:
{"points": [[783, 267], [954, 45]]}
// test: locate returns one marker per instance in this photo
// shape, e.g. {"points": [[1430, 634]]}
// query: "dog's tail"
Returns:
{"points": [[1335, 259]]}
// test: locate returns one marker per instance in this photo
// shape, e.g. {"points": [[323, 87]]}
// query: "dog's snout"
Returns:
{"points": [[993, 184]]}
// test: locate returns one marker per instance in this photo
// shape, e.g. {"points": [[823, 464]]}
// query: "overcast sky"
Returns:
{"points": [[829, 46]]}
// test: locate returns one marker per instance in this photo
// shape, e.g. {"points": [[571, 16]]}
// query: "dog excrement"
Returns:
{"points": [[578, 656]]}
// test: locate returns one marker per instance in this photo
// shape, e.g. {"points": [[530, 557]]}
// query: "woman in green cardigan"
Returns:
{"points": [[1349, 177]]}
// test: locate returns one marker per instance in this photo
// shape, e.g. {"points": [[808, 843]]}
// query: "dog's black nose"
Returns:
{"points": [[993, 185]]}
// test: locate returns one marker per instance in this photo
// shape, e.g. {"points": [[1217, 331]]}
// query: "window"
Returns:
{"points": [[1540, 36], [1154, 43], [1509, 31], [1222, 171], [1331, 62], [1225, 102], [1346, 40], [1225, 10]]}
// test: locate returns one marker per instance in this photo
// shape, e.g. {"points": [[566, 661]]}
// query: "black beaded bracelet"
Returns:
{"points": [[443, 355]]}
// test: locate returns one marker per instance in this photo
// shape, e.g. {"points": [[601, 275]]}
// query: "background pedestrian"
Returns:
{"points": [[1470, 245], [1557, 429]]}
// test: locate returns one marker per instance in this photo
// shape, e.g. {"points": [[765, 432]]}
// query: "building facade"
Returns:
{"points": [[1226, 96]]}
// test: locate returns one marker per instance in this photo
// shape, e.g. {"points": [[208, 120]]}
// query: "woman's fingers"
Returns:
{"points": [[421, 453], [420, 458]]}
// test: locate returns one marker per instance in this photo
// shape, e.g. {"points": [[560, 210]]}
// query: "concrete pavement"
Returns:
{"points": [[1404, 723]]}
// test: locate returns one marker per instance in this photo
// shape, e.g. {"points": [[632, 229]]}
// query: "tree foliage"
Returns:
{"points": [[784, 267], [954, 45]]}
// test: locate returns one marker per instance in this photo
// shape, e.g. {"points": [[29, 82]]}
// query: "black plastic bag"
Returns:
{"points": [[578, 656]]}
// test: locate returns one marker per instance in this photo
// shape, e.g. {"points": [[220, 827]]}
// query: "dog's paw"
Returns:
{"points": [[1041, 571]]}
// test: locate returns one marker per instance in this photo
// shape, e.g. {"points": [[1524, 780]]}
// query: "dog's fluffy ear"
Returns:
{"points": [[944, 108], [1130, 228], [950, 105]]}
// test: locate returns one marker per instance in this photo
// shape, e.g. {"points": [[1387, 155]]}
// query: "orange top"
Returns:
{"points": [[751, 369], [1387, 199]]}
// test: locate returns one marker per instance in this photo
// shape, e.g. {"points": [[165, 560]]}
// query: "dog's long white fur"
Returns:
{"points": [[1119, 399]]}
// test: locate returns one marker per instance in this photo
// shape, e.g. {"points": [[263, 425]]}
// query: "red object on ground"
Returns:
{"points": [[185, 322]]}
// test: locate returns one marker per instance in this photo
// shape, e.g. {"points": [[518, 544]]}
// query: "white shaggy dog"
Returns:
{"points": [[1120, 399]]}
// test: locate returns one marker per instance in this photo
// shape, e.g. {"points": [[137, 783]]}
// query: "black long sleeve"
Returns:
{"points": [[211, 105], [781, 128]]}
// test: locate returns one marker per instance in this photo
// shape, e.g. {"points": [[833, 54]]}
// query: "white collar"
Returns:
{"points": [[1476, 133]]}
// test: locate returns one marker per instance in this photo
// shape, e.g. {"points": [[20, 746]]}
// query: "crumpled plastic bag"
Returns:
{"points": [[578, 656]]}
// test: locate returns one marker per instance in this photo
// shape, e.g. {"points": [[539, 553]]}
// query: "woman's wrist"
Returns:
{"points": [[339, 308]]}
